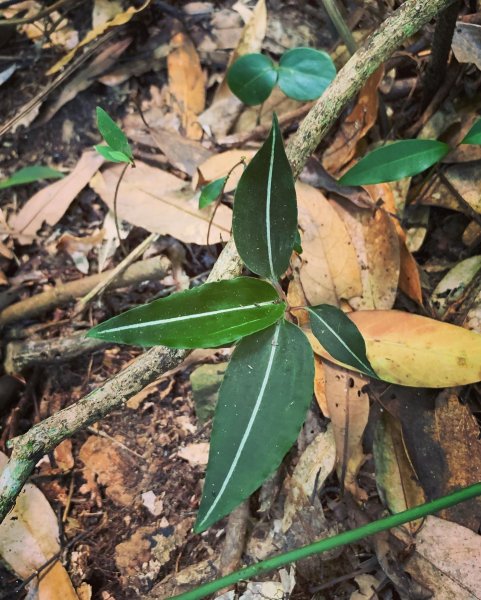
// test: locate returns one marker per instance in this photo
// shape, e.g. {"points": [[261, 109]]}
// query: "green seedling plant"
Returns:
{"points": [[30, 175], [302, 74], [116, 149], [268, 385]]}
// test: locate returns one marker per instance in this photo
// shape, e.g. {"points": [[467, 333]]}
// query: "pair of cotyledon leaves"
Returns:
{"points": [[269, 381], [302, 74]]}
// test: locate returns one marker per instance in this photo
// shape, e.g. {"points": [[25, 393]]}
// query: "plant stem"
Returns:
{"points": [[116, 217], [336, 541]]}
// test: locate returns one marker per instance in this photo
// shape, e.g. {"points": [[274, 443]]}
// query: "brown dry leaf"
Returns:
{"points": [[226, 107], [63, 456], [219, 165], [295, 292], [50, 203], [416, 351], [320, 386], [447, 560], [195, 454], [29, 537], [186, 84], [159, 202], [376, 244], [185, 579], [355, 126], [78, 248], [87, 76], [409, 278], [348, 409], [120, 19], [330, 269], [111, 466], [396, 478]]}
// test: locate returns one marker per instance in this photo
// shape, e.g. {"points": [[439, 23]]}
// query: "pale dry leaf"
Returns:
{"points": [[50, 203], [29, 537], [320, 386], [152, 503], [186, 84], [330, 269], [376, 243], [348, 408], [104, 10], [79, 247], [195, 454], [219, 165], [160, 203], [110, 242], [466, 43], [447, 560]]}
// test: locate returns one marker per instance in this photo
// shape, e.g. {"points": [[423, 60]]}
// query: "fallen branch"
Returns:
{"points": [[146, 270], [42, 438]]}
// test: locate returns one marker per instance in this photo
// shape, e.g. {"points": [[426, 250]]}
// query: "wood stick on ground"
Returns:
{"points": [[42, 438], [145, 270]]}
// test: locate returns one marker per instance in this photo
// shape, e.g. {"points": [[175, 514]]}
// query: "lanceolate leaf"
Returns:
{"points": [[211, 192], [30, 174], [209, 315], [252, 78], [340, 337], [304, 73], [474, 134], [395, 161], [112, 134], [265, 209], [262, 404]]}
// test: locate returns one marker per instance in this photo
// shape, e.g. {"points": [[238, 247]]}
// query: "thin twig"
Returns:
{"points": [[40, 15]]}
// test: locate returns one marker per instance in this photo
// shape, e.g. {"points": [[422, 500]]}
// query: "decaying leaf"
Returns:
{"points": [[355, 126], [330, 269], [377, 247], [29, 537], [396, 478], [416, 351], [79, 247], [160, 202], [466, 43], [348, 407], [453, 285], [446, 560], [50, 204], [186, 84]]}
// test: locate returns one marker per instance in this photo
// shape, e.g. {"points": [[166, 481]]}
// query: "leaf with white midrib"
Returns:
{"points": [[340, 337], [262, 403]]}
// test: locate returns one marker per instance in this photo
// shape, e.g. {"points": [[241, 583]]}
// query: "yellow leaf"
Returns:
{"points": [[416, 351], [120, 19]]}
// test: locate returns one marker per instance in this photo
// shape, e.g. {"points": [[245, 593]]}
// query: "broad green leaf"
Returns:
{"points": [[262, 404], [209, 315], [112, 155], [304, 73], [211, 192], [340, 337], [252, 78], [112, 134], [264, 222], [395, 161], [29, 175], [474, 134]]}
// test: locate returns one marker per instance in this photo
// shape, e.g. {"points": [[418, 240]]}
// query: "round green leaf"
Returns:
{"points": [[304, 73], [262, 404], [206, 316], [252, 78], [474, 134], [395, 161]]}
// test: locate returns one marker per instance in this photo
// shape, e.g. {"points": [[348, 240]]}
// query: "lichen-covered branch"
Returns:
{"points": [[27, 449]]}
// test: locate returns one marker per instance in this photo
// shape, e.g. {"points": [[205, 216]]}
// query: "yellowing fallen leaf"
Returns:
{"points": [[330, 269], [160, 203], [50, 203], [377, 246], [29, 537], [120, 19], [416, 351], [186, 84]]}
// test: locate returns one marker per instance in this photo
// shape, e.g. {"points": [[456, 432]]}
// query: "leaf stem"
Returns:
{"points": [[336, 541], [116, 217]]}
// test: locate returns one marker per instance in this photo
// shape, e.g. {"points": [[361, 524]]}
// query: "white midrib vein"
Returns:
{"points": [[334, 333], [209, 313], [268, 206], [248, 429]]}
